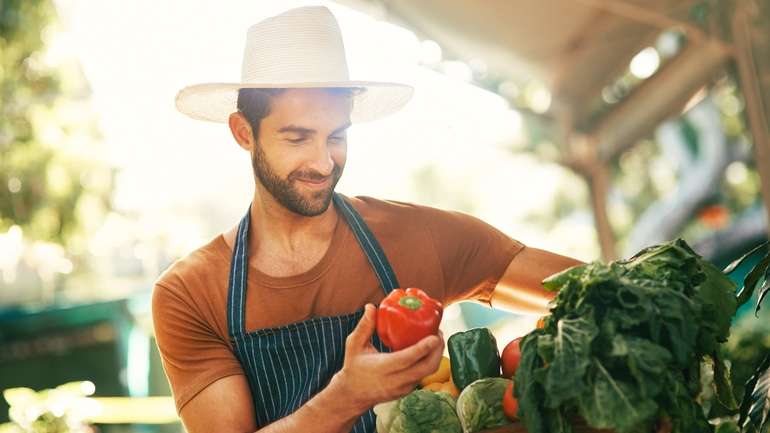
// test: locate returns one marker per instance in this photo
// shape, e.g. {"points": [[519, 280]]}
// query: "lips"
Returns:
{"points": [[315, 182]]}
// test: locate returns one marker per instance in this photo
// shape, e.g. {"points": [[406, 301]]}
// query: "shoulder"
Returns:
{"points": [[446, 229], [381, 210], [403, 214], [182, 274]]}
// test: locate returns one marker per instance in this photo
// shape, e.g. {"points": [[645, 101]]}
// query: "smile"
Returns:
{"points": [[315, 183]]}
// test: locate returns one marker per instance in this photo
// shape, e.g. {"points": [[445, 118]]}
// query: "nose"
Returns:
{"points": [[322, 161]]}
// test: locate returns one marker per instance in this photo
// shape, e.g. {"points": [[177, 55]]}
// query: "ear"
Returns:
{"points": [[241, 130]]}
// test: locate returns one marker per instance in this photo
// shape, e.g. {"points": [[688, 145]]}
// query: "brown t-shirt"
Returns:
{"points": [[451, 255]]}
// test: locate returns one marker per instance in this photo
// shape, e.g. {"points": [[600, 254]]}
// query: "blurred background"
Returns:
{"points": [[591, 128]]}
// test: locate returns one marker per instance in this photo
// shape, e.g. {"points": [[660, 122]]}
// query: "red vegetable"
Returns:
{"points": [[406, 317], [510, 404], [510, 358]]}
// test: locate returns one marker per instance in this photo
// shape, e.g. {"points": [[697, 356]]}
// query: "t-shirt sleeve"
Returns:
{"points": [[473, 254], [193, 355]]}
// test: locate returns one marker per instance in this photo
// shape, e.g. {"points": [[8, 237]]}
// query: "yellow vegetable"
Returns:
{"points": [[435, 386], [441, 375], [447, 387], [450, 388]]}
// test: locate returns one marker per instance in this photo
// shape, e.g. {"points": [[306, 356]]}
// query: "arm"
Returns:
{"points": [[367, 377], [328, 411], [519, 290]]}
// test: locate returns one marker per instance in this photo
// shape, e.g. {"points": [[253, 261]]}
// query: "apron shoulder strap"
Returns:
{"points": [[368, 243], [237, 284]]}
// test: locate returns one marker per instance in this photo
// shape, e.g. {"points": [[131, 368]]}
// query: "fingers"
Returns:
{"points": [[408, 375], [432, 362], [406, 358], [362, 334], [428, 364]]}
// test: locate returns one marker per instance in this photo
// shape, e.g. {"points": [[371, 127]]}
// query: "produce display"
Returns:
{"points": [[633, 346], [466, 394], [478, 407]]}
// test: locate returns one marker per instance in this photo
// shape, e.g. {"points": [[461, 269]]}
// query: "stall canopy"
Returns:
{"points": [[576, 48]]}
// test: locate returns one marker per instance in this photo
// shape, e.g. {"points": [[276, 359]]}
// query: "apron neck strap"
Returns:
{"points": [[237, 284], [369, 244]]}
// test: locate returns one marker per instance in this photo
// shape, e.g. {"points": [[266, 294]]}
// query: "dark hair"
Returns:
{"points": [[254, 104]]}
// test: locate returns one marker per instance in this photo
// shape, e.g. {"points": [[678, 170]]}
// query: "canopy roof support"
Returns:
{"points": [[748, 37]]}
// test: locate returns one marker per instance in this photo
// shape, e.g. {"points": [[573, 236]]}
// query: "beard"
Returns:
{"points": [[285, 190]]}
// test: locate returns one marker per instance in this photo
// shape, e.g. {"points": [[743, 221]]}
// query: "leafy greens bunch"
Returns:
{"points": [[624, 344]]}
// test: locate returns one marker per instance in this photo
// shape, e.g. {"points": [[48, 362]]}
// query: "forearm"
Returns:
{"points": [[520, 290], [330, 411]]}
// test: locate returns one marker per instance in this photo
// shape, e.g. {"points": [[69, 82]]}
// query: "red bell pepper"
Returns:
{"points": [[406, 317]]}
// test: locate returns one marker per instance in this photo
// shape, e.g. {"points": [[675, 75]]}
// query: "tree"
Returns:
{"points": [[53, 184]]}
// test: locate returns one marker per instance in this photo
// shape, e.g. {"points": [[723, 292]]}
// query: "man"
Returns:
{"points": [[270, 326]]}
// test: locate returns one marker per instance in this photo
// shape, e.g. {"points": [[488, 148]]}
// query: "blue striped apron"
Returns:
{"points": [[288, 365]]}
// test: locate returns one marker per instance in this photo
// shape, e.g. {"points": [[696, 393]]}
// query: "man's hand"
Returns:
{"points": [[370, 377]]}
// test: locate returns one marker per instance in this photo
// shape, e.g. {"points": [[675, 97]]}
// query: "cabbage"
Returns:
{"points": [[480, 405], [421, 411]]}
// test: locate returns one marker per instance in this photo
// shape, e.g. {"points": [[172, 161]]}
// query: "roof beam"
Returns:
{"points": [[658, 97], [644, 15]]}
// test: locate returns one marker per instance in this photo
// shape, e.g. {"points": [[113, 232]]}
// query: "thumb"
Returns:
{"points": [[362, 334]]}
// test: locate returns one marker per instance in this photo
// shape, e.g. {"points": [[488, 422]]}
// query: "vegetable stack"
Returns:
{"points": [[625, 343]]}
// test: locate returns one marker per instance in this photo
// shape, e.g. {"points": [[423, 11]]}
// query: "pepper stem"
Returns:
{"points": [[410, 302]]}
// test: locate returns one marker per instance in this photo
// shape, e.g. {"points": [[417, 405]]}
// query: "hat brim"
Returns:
{"points": [[215, 102]]}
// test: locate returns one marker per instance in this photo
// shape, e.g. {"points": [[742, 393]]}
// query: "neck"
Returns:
{"points": [[279, 229]]}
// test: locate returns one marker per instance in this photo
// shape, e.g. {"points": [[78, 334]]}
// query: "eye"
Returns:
{"points": [[296, 140], [338, 139]]}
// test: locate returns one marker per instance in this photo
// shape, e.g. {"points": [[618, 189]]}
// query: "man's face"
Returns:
{"points": [[302, 147]]}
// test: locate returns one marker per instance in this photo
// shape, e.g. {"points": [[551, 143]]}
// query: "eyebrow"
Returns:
{"points": [[307, 131]]}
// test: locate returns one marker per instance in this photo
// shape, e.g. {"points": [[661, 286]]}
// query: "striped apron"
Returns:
{"points": [[288, 365]]}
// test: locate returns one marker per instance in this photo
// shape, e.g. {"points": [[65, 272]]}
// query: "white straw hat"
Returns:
{"points": [[300, 48]]}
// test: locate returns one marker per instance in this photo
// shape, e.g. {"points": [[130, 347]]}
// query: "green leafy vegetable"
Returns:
{"points": [[421, 411], [480, 405], [624, 344], [568, 355], [608, 396], [724, 390]]}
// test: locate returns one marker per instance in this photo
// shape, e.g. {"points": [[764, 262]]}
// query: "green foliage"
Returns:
{"points": [[624, 343], [49, 176], [755, 408], [749, 342], [757, 280]]}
